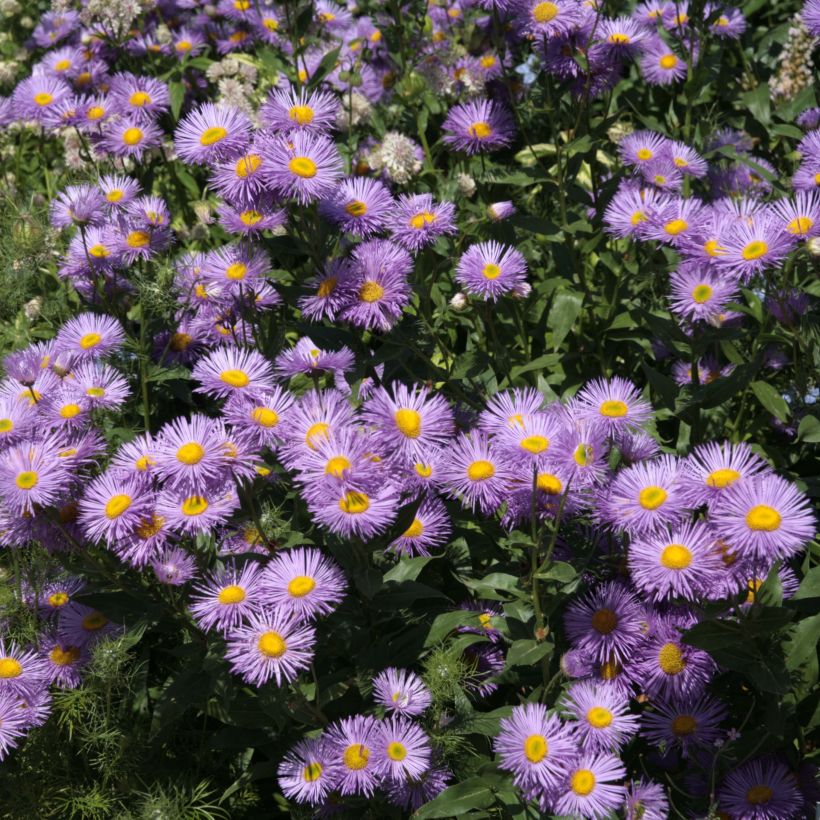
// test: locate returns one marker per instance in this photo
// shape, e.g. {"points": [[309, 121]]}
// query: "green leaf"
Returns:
{"points": [[559, 571], [408, 569], [771, 399], [472, 793], [809, 430], [665, 387], [446, 622], [177, 93], [328, 63], [527, 652], [758, 102], [564, 311]]}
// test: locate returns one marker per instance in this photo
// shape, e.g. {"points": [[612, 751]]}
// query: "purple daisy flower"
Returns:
{"points": [[226, 597], [174, 567], [35, 96], [12, 723], [308, 359], [260, 415], [411, 794], [752, 247], [509, 408], [112, 506], [477, 473], [766, 518], [329, 291], [22, 671], [305, 774], [762, 789], [536, 747], [490, 269], [356, 513], [615, 404], [646, 800], [232, 371], [529, 443], [642, 147], [145, 97], [270, 646], [699, 294], [660, 65], [196, 513], [603, 718], [130, 137], [351, 744], [608, 624], [682, 564], [100, 385], [402, 691], [63, 662], [627, 214], [89, 335], [546, 19], [360, 205], [240, 180], [799, 217], [429, 529], [317, 415], [302, 583], [417, 221], [674, 220], [191, 453], [714, 467], [119, 191], [83, 626], [212, 133], [31, 474], [589, 790], [478, 126], [684, 725], [252, 221], [401, 749], [302, 165], [287, 109]]}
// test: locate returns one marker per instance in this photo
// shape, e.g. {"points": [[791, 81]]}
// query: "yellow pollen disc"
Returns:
{"points": [[618, 39], [376, 37], [638, 217], [356, 208], [213, 135], [26, 480], [336, 466], [117, 505], [132, 136], [302, 75], [754, 250], [58, 599], [759, 795], [149, 527], [356, 756], [670, 659], [327, 16], [64, 657], [610, 670], [272, 645], [613, 409], [90, 340], [70, 411], [684, 725], [272, 25], [265, 417], [599, 718], [702, 293], [535, 444], [140, 99], [303, 167], [488, 61], [191, 453], [491, 271], [536, 748], [183, 46], [143, 463], [480, 470], [234, 378], [423, 470], [315, 432], [6, 425], [583, 455], [371, 291], [43, 98], [676, 556], [720, 479], [668, 61], [604, 621], [414, 530], [480, 130], [408, 422], [312, 772], [680, 162], [195, 505], [231, 594], [98, 251], [754, 585], [544, 12], [301, 114], [549, 484], [94, 621], [800, 225], [418, 221], [327, 287], [713, 248], [10, 668], [644, 154], [71, 451], [583, 782], [247, 165], [676, 226], [137, 239], [250, 218], [486, 620], [68, 514], [762, 518], [396, 751], [722, 21], [236, 272], [660, 179], [62, 65], [650, 498], [354, 503], [300, 586]]}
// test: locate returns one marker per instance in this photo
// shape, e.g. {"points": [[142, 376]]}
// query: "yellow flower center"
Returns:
{"points": [[371, 291], [754, 250], [720, 479], [668, 61], [676, 226], [536, 748], [97, 112], [70, 411], [488, 61], [272, 645], [676, 556], [702, 293], [491, 271], [544, 12], [62, 65], [418, 221], [684, 725], [336, 466], [670, 659], [356, 208], [90, 340], [300, 586], [354, 503], [423, 470], [644, 154], [583, 782], [64, 657], [414, 530], [312, 772], [408, 422], [140, 99], [231, 594], [650, 498], [480, 130], [759, 795], [549, 484], [247, 165], [535, 444], [800, 225], [94, 621], [638, 217], [43, 98], [191, 453], [301, 114], [58, 599], [265, 417], [10, 668], [599, 718], [27, 479], [117, 505], [583, 455], [250, 218], [762, 518], [235, 378], [356, 756], [132, 136], [618, 39], [610, 670], [6, 425], [713, 248], [303, 167], [480, 470], [236, 271], [396, 750], [613, 409], [604, 621], [210, 136], [195, 505], [149, 527]]}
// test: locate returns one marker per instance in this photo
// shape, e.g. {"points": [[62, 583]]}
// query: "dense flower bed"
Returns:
{"points": [[408, 409]]}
